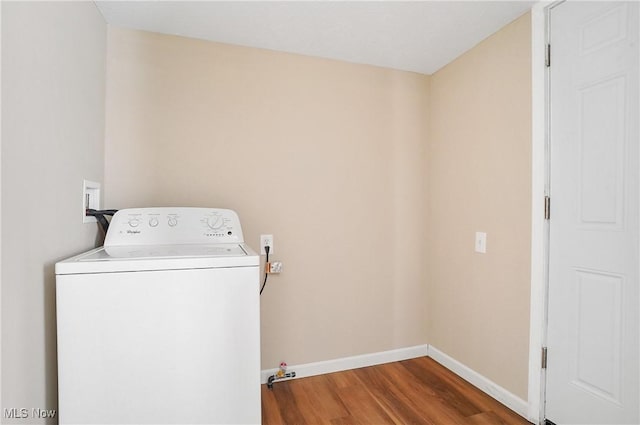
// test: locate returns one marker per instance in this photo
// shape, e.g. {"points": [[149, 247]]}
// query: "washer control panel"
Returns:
{"points": [[169, 226]]}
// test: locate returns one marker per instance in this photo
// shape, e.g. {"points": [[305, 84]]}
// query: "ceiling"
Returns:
{"points": [[418, 36]]}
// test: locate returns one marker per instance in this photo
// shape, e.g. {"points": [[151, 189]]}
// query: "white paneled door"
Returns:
{"points": [[592, 337]]}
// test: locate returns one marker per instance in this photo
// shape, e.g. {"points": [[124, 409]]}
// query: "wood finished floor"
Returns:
{"points": [[417, 391]]}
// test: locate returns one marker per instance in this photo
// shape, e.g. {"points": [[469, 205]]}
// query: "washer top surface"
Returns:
{"points": [[153, 239], [143, 252]]}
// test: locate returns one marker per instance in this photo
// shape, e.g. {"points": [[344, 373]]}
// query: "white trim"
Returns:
{"points": [[353, 362], [489, 387], [1, 404], [538, 190]]}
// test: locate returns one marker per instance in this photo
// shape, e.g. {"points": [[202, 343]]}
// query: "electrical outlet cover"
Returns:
{"points": [[90, 199], [276, 267], [264, 241], [481, 242]]}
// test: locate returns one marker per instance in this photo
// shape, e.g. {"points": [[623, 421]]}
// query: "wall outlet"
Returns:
{"points": [[481, 242], [90, 199], [266, 240]]}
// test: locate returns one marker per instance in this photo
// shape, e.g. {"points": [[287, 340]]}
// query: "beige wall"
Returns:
{"points": [[479, 179], [53, 94], [327, 156]]}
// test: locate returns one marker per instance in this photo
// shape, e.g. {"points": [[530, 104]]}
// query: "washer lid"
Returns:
{"points": [[131, 258], [136, 252]]}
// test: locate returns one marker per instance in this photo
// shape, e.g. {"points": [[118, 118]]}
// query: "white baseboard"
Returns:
{"points": [[505, 397], [353, 362]]}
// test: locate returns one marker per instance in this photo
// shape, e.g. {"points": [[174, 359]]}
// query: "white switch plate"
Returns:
{"points": [[90, 199], [481, 242]]}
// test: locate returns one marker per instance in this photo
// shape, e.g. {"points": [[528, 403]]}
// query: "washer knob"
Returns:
{"points": [[153, 222], [215, 222], [134, 222], [172, 221]]}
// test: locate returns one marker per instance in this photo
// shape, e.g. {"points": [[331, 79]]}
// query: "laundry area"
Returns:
{"points": [[319, 212]]}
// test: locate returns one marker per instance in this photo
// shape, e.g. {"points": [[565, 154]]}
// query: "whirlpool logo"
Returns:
{"points": [[133, 232]]}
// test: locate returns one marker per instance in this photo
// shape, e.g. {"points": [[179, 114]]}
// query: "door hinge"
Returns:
{"points": [[547, 55], [547, 207], [544, 357]]}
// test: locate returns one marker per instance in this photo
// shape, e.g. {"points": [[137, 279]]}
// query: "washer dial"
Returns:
{"points": [[215, 222]]}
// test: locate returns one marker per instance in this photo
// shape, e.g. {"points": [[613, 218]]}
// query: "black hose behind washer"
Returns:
{"points": [[99, 215]]}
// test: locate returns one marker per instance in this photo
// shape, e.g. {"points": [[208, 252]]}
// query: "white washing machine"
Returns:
{"points": [[162, 324]]}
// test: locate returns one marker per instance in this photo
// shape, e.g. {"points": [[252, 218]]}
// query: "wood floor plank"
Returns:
{"points": [[310, 408], [416, 391], [270, 409], [430, 403], [342, 379], [363, 405], [347, 420], [485, 418], [289, 411], [508, 416], [390, 398], [322, 398], [437, 377]]}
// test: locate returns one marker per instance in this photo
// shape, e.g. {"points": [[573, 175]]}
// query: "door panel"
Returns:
{"points": [[592, 335], [601, 150], [596, 334]]}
